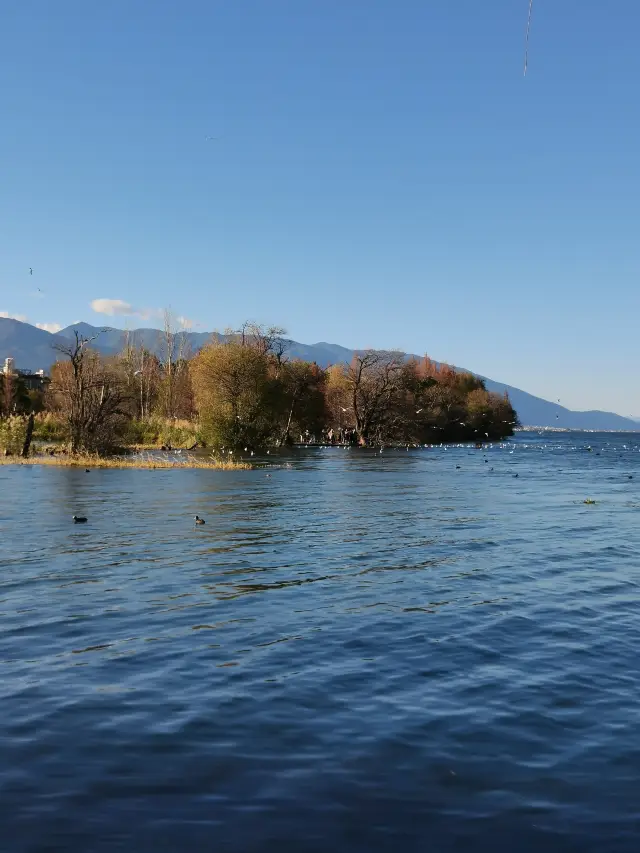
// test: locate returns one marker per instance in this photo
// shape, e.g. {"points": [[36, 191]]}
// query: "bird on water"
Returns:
{"points": [[199, 520], [79, 519]]}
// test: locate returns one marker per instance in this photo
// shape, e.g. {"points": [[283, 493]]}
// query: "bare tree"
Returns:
{"points": [[148, 375], [90, 393], [142, 372], [28, 436], [373, 380], [269, 341], [174, 354]]}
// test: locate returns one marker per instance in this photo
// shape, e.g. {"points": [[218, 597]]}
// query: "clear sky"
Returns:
{"points": [[384, 176]]}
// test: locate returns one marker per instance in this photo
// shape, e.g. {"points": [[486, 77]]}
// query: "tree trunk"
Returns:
{"points": [[28, 437], [285, 435]]}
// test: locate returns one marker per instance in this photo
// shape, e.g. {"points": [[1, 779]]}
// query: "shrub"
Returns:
{"points": [[13, 430], [50, 427], [158, 431]]}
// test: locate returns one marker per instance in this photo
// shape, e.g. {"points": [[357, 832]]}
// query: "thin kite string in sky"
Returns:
{"points": [[526, 43]]}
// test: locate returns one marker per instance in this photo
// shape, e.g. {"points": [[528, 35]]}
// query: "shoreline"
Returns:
{"points": [[87, 461], [576, 429]]}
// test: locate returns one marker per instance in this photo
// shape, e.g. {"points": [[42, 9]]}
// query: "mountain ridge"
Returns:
{"points": [[34, 349]]}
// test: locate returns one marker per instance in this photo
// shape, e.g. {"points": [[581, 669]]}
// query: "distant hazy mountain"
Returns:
{"points": [[32, 349]]}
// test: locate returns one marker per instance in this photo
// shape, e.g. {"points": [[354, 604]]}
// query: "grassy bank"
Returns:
{"points": [[152, 433], [142, 461], [157, 432]]}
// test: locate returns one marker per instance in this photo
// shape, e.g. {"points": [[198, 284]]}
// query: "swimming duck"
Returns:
{"points": [[199, 520], [589, 501], [79, 519]]}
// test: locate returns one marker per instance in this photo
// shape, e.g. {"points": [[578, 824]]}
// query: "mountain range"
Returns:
{"points": [[33, 349]]}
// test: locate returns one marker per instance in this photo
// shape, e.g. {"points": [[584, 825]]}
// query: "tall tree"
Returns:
{"points": [[174, 353], [373, 380], [90, 393], [143, 375], [302, 389], [235, 394]]}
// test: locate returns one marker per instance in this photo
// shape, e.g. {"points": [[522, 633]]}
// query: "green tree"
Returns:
{"points": [[235, 395]]}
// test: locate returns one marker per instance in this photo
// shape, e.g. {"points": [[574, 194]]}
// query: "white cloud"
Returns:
{"points": [[49, 327], [118, 307], [113, 307], [7, 316], [185, 322]]}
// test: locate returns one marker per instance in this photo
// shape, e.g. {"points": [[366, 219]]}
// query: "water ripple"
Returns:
{"points": [[362, 652]]}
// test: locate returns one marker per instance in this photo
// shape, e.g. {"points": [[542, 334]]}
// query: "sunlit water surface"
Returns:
{"points": [[361, 652]]}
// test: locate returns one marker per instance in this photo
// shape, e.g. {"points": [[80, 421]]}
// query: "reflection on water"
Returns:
{"points": [[363, 651]]}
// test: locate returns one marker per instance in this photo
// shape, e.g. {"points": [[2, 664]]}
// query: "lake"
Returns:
{"points": [[362, 652]]}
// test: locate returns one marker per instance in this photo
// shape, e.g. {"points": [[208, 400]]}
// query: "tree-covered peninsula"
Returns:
{"points": [[242, 390]]}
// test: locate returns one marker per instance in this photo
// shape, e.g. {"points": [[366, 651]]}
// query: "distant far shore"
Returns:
{"points": [[574, 429]]}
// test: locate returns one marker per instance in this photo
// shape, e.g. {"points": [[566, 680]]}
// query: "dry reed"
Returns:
{"points": [[140, 461]]}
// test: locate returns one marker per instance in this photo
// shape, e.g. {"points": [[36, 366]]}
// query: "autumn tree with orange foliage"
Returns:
{"points": [[389, 399]]}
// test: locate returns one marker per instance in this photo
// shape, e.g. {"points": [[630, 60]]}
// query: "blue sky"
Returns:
{"points": [[385, 176]]}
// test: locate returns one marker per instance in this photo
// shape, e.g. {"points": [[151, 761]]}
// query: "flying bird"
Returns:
{"points": [[526, 42], [30, 271], [418, 412]]}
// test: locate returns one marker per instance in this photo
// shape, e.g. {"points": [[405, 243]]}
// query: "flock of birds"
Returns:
{"points": [[198, 521]]}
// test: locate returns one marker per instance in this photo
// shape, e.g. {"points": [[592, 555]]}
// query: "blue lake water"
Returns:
{"points": [[362, 652]]}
